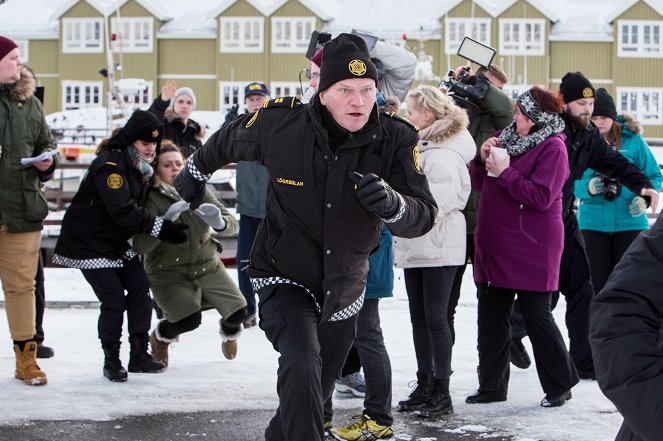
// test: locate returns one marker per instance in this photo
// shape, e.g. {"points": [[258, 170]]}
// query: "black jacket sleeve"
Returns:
{"points": [[626, 338], [159, 106]]}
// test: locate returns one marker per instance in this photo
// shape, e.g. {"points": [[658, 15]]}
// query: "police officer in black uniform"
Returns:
{"points": [[586, 149], [339, 169]]}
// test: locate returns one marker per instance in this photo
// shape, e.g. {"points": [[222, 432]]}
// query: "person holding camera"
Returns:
{"points": [[586, 148], [609, 215], [326, 204]]}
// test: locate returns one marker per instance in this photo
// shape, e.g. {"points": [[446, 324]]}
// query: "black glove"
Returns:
{"points": [[172, 232], [189, 188], [232, 114], [376, 195]]}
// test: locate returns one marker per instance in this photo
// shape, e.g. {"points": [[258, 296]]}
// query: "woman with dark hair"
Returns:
{"points": [[610, 220], [104, 214], [519, 240], [188, 278]]}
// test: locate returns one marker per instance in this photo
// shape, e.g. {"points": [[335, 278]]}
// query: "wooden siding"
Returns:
{"points": [[52, 102], [81, 9], [639, 11], [187, 56], [134, 9], [467, 9], [44, 62], [594, 59], [206, 92]]}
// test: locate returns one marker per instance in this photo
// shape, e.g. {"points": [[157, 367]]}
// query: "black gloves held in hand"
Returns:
{"points": [[376, 195], [189, 188], [172, 232]]}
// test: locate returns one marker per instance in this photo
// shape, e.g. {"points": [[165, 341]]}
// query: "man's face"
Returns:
{"points": [[255, 101], [350, 102], [580, 111], [183, 106], [493, 79], [315, 76], [10, 67]]}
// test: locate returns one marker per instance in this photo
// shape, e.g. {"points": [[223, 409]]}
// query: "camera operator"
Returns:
{"points": [[493, 112]]}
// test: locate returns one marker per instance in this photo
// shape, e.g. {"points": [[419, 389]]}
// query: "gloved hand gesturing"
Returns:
{"points": [[637, 206], [189, 188], [596, 185], [376, 195], [172, 232], [232, 114], [211, 214]]}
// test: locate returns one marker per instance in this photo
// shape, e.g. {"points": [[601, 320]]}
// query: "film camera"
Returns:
{"points": [[613, 188]]}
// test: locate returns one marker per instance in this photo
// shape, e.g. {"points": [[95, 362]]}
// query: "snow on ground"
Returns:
{"points": [[199, 378]]}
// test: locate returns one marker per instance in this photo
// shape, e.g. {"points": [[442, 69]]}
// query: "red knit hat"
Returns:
{"points": [[317, 57], [6, 46]]}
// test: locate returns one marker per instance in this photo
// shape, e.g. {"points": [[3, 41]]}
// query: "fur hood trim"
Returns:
{"points": [[198, 130], [445, 128], [631, 124], [24, 88]]}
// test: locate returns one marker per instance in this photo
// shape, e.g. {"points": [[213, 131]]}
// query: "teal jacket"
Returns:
{"points": [[23, 133], [597, 214]]}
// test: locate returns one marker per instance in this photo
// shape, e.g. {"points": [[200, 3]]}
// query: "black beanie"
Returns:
{"points": [[142, 125], [346, 56], [575, 86], [604, 105]]}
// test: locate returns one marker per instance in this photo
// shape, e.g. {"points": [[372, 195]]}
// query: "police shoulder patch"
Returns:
{"points": [[114, 181], [286, 101], [397, 117]]}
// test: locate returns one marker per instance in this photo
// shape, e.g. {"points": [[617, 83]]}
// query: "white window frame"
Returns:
{"points": [[645, 103], [644, 38], [77, 35], [236, 96], [513, 91], [516, 37], [89, 89], [455, 28], [291, 35], [133, 34], [140, 99], [249, 34], [23, 48], [285, 88]]}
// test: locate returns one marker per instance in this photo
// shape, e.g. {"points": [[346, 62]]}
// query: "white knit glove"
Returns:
{"points": [[596, 186], [175, 210], [211, 214], [637, 206]]}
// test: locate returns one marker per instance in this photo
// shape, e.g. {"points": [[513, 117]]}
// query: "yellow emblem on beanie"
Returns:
{"points": [[357, 67]]}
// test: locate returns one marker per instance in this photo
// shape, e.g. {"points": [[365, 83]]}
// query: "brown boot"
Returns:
{"points": [[26, 365], [229, 344], [160, 345]]}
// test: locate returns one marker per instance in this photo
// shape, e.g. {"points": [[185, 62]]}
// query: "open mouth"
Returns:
{"points": [[356, 114]]}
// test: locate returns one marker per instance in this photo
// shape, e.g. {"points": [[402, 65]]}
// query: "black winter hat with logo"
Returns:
{"points": [[575, 86], [604, 105], [141, 125], [344, 57]]}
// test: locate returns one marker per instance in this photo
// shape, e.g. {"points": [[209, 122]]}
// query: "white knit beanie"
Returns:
{"points": [[184, 91]]}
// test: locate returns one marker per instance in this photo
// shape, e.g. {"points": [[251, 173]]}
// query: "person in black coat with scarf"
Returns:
{"points": [[105, 212]]}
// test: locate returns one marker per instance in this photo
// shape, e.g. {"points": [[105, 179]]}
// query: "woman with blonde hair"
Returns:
{"points": [[430, 261]]}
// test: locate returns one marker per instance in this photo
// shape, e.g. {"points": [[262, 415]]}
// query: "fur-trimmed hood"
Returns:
{"points": [[445, 128], [173, 119], [628, 122], [24, 88]]}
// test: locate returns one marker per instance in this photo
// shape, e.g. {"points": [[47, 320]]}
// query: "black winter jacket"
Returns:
{"points": [[588, 149], [627, 340], [188, 137], [316, 233], [105, 212]]}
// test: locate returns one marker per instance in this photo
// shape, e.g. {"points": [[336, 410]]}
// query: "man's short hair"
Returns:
{"points": [[495, 70]]}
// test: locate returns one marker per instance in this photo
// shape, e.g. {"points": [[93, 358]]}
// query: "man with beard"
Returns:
{"points": [[586, 149]]}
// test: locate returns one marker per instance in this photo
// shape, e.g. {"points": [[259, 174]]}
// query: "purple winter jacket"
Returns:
{"points": [[520, 234]]}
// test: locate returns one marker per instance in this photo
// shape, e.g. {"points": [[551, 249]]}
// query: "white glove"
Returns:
{"points": [[211, 214], [175, 210], [637, 206], [596, 186]]}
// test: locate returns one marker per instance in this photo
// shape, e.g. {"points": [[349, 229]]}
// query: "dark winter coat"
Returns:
{"points": [[105, 212], [627, 340], [23, 134], [316, 232], [188, 137], [587, 149]]}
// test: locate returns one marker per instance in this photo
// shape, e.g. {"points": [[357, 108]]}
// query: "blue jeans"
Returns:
{"points": [[248, 226]]}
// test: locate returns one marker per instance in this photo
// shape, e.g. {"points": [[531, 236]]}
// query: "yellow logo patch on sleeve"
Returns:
{"points": [[114, 181], [415, 155]]}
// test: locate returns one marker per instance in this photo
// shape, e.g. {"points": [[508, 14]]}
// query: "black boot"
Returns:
{"points": [[113, 369], [439, 402], [420, 394], [139, 359]]}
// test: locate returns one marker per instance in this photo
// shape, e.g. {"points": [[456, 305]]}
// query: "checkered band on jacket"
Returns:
{"points": [[200, 176], [95, 263], [156, 227], [399, 214], [262, 282]]}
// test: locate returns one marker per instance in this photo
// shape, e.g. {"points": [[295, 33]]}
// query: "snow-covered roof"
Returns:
{"points": [[573, 20]]}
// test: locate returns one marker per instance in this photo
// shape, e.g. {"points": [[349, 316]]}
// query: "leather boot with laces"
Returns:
{"points": [[439, 402], [420, 394], [27, 369]]}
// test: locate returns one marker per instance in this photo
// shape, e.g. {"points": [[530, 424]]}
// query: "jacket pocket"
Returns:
{"points": [[35, 205], [521, 215]]}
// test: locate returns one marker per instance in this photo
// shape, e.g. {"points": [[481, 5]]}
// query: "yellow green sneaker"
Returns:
{"points": [[326, 426], [364, 429]]}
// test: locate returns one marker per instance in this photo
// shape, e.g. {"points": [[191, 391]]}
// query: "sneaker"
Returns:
{"points": [[364, 429], [351, 384], [326, 426], [518, 354], [44, 351], [251, 321]]}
